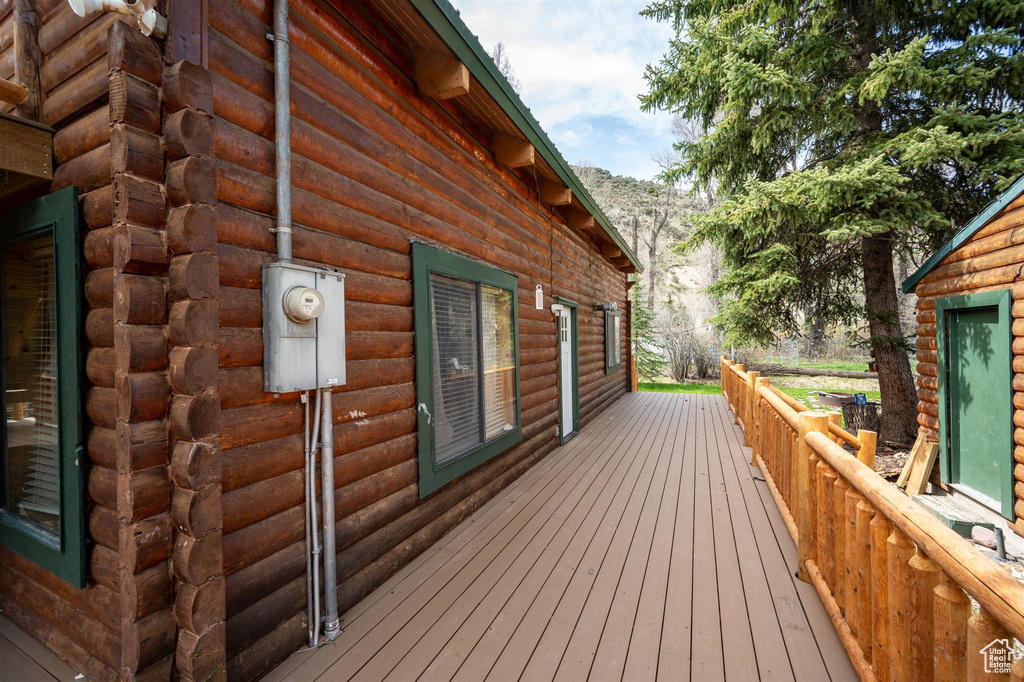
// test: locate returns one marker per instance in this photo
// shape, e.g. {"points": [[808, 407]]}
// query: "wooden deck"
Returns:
{"points": [[23, 659], [645, 548]]}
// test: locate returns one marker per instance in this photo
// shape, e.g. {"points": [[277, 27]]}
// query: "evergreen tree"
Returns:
{"points": [[647, 350], [838, 132]]}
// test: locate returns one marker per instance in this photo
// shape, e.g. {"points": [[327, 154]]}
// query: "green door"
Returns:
{"points": [[980, 433]]}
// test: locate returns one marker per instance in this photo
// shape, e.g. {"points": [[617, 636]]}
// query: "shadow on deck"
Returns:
{"points": [[645, 548]]}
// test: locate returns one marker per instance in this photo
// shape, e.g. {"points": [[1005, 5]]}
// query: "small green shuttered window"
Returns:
{"points": [[467, 363], [41, 493], [612, 341]]}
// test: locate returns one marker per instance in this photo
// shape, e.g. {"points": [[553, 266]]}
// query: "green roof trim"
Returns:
{"points": [[445, 20], [965, 233]]}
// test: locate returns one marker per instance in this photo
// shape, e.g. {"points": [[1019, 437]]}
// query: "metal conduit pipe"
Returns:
{"points": [[314, 523], [309, 544], [331, 623], [282, 132]]}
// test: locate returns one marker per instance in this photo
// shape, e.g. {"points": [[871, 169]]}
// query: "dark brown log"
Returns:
{"points": [[192, 228], [99, 367], [134, 102], [195, 417], [194, 465], [144, 445], [84, 135], [134, 53], [273, 647], [76, 94], [193, 370], [148, 592], [68, 58], [147, 640], [189, 132], [141, 397], [197, 512], [87, 172], [199, 607], [197, 560], [27, 57], [136, 151], [187, 85], [101, 406], [193, 323], [150, 542], [193, 276], [138, 201], [138, 249], [141, 348], [98, 248], [139, 299], [192, 180], [98, 206]]}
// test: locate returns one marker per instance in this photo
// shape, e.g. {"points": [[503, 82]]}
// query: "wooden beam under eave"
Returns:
{"points": [[628, 269], [611, 251], [620, 261], [440, 76], [580, 219], [555, 193], [512, 151]]}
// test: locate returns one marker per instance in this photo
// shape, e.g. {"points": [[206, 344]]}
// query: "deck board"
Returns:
{"points": [[23, 659], [645, 548]]}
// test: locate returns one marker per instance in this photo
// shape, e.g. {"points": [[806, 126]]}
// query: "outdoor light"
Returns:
{"points": [[606, 306]]}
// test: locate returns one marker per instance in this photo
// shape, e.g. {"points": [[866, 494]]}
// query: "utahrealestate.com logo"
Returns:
{"points": [[998, 656]]}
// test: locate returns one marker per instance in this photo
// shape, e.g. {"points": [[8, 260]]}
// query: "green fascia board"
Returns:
{"points": [[445, 20], [965, 233]]}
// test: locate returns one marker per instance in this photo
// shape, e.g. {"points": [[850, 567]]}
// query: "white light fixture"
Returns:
{"points": [[540, 297], [150, 22]]}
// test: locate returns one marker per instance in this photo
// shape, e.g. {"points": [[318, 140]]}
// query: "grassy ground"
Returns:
{"points": [[847, 365], [801, 393]]}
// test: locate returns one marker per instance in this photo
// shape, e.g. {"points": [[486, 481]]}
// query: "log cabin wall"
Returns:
{"points": [[100, 90], [375, 165], [990, 259]]}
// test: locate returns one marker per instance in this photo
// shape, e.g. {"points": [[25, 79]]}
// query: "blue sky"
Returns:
{"points": [[581, 65]]}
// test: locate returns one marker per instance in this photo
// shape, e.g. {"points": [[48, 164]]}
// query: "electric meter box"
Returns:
{"points": [[303, 328]]}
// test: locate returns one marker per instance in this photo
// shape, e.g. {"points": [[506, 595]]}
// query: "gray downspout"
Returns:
{"points": [[282, 132], [331, 624]]}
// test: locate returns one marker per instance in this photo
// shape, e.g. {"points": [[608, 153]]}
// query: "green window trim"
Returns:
{"points": [[426, 260], [611, 341], [63, 553], [564, 438], [1002, 301]]}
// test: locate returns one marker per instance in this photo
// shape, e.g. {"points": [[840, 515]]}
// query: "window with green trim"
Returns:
{"points": [[612, 341], [41, 481], [467, 363]]}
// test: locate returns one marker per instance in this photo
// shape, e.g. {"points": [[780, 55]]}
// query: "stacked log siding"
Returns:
{"points": [[990, 259], [375, 165]]}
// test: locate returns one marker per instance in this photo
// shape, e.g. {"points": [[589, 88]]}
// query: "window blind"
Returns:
{"points": [[32, 447]]}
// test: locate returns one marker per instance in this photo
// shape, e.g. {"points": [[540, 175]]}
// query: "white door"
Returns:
{"points": [[565, 367]]}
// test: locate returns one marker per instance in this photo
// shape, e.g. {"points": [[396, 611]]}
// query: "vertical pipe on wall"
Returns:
{"points": [[309, 545], [282, 132], [314, 521], [331, 624]]}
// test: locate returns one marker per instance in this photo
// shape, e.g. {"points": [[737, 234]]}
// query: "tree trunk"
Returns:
{"points": [[815, 326], [652, 269], [895, 380]]}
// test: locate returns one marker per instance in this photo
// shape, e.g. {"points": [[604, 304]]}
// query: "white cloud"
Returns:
{"points": [[581, 66]]}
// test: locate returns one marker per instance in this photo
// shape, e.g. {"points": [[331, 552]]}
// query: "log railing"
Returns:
{"points": [[897, 584]]}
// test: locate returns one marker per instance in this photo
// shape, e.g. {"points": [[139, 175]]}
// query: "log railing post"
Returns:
{"points": [[984, 630], [924, 577], [721, 372], [839, 530], [750, 404], [863, 578], [900, 552], [952, 609], [757, 443], [853, 498], [823, 535], [837, 419], [808, 421], [827, 512], [866, 453], [880, 531], [734, 394]]}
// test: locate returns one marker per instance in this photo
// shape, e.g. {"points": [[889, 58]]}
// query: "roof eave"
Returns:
{"points": [[965, 233], [445, 20]]}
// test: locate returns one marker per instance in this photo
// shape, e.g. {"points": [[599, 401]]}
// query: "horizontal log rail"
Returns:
{"points": [[897, 584]]}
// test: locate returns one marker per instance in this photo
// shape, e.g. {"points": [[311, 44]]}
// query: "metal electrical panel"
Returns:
{"points": [[301, 355]]}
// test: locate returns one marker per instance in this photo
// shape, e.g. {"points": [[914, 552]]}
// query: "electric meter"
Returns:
{"points": [[303, 304]]}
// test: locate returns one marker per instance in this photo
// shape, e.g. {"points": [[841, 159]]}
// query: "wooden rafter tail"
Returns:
{"points": [[439, 75], [12, 92], [554, 193], [611, 251], [580, 219], [513, 151]]}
